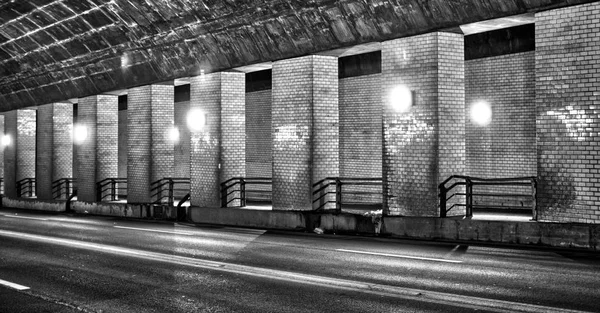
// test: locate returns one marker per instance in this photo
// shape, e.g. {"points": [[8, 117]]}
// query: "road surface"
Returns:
{"points": [[72, 263]]}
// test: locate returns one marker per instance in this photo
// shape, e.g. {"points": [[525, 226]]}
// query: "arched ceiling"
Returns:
{"points": [[53, 50]]}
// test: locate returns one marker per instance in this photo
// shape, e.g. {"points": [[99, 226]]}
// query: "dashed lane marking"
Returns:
{"points": [[26, 217], [156, 230], [13, 285], [400, 256]]}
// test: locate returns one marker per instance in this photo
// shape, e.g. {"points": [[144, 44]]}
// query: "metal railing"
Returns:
{"points": [[491, 198], [370, 188], [1, 185], [26, 187], [110, 188], [62, 188], [163, 190], [236, 189]]}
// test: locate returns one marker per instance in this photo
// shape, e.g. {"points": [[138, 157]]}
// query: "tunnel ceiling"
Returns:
{"points": [[53, 50]]}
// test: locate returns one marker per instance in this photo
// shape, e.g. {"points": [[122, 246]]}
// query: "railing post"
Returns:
{"points": [[113, 190], [534, 199], [224, 195], [469, 199], [18, 189], [67, 188], [338, 195], [98, 192], [171, 196], [242, 192], [443, 195], [30, 183]]}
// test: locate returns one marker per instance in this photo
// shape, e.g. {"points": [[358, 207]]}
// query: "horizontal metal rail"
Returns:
{"points": [[110, 188], [163, 190], [323, 188], [238, 185], [63, 188], [447, 193], [26, 187]]}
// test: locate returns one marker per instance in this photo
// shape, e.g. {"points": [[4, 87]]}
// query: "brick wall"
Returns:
{"points": [[413, 164], [217, 151], [567, 95], [259, 159], [97, 156], [10, 155], [54, 155], [305, 128], [507, 146], [360, 132], [182, 147], [150, 150]]}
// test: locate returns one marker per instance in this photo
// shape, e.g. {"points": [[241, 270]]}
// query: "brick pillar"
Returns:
{"points": [[567, 92], [425, 145], [305, 119], [19, 156], [10, 155], [54, 147], [97, 156], [2, 152], [218, 150], [149, 148]]}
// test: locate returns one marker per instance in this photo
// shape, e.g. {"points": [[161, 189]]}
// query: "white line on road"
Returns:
{"points": [[400, 256], [26, 217], [13, 285], [156, 230], [427, 296]]}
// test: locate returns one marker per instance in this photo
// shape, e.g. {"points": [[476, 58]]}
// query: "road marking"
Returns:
{"points": [[156, 230], [13, 285], [26, 217], [400, 256], [428, 296]]}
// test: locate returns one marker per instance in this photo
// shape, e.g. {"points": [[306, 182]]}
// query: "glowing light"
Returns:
{"points": [[174, 134], [401, 98], [196, 120], [481, 113], [80, 134], [6, 140]]}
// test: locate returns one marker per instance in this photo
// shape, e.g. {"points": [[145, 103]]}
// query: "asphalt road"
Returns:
{"points": [[73, 263]]}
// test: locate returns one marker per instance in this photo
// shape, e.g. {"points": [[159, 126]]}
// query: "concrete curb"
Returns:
{"points": [[561, 235]]}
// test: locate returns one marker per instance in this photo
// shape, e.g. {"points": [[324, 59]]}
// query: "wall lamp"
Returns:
{"points": [[401, 98]]}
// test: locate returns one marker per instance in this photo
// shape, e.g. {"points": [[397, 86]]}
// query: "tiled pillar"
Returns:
{"points": [[149, 147], [2, 152], [54, 147], [567, 92], [19, 155], [426, 144], [97, 156], [10, 155], [305, 121], [218, 150]]}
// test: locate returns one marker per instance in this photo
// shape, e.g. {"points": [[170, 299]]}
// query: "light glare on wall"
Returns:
{"points": [[401, 98], [481, 113], [174, 134], [196, 120], [80, 133], [6, 140]]}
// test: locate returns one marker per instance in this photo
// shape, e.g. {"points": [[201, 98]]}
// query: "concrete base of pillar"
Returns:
{"points": [[459, 230], [34, 204]]}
